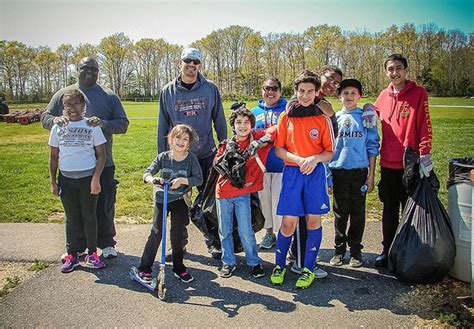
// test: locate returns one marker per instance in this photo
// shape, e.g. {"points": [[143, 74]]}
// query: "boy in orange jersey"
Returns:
{"points": [[304, 141]]}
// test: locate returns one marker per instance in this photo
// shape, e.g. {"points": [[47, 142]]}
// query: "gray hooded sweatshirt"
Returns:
{"points": [[197, 108]]}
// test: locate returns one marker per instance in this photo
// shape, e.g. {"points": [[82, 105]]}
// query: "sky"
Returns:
{"points": [[52, 22]]}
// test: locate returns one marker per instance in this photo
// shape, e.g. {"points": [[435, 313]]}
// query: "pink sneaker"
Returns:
{"points": [[70, 262], [93, 261]]}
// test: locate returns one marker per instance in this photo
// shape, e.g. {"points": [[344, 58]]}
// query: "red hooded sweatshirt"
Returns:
{"points": [[405, 122], [253, 173]]}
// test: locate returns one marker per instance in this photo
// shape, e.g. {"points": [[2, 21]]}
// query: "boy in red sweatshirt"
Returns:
{"points": [[233, 195], [403, 110]]}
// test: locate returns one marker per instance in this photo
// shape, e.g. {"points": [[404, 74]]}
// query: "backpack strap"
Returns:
{"points": [[260, 163]]}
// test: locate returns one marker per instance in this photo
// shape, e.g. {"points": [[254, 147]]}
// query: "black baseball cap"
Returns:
{"points": [[350, 83]]}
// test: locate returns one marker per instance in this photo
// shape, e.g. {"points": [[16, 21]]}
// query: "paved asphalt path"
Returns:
{"points": [[107, 298]]}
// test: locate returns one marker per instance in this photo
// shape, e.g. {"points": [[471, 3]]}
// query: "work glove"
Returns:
{"points": [[369, 117], [426, 165], [252, 149], [254, 145]]}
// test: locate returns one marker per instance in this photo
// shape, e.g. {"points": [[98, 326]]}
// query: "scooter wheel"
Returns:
{"points": [[162, 293]]}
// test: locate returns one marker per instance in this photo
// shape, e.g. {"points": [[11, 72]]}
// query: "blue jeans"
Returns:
{"points": [[240, 206]]}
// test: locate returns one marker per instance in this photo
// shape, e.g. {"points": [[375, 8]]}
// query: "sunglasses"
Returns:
{"points": [[271, 88], [88, 68], [332, 81], [189, 60]]}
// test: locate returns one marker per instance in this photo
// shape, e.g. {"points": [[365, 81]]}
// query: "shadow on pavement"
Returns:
{"points": [[356, 289], [227, 299]]}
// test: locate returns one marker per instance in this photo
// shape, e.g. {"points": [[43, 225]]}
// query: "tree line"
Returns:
{"points": [[238, 58]]}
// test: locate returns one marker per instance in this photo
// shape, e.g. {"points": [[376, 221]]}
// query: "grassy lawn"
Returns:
{"points": [[24, 153]]}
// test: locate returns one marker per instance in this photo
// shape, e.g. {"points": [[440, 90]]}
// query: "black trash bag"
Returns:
{"points": [[202, 207], [203, 214], [231, 164], [258, 220], [459, 171], [423, 249], [411, 173]]}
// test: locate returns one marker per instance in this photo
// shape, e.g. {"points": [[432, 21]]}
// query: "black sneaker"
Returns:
{"points": [[215, 253], [381, 260], [169, 255], [258, 271], [227, 270], [184, 277]]}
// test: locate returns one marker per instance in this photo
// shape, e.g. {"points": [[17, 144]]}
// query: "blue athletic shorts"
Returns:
{"points": [[303, 194]]}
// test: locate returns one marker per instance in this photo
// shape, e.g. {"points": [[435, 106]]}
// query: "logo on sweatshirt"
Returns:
{"points": [[314, 133], [190, 107], [290, 126], [324, 206], [347, 123], [404, 110]]}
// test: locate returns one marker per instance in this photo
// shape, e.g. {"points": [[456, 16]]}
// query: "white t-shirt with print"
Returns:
{"points": [[76, 142]]}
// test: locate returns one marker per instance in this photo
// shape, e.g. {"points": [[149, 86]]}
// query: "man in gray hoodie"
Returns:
{"points": [[195, 101]]}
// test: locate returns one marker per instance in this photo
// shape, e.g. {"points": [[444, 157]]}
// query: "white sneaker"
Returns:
{"points": [[319, 273], [109, 253]]}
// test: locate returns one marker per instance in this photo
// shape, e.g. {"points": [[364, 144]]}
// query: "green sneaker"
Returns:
{"points": [[278, 275], [305, 279]]}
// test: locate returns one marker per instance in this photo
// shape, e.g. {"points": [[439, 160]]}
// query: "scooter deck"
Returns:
{"points": [[151, 287]]}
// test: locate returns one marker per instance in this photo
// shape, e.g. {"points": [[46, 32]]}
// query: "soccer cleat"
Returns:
{"points": [[305, 279], [278, 275]]}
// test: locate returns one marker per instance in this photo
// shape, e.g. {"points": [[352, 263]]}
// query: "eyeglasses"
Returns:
{"points": [[89, 68], [271, 88], [189, 60], [332, 81], [72, 105]]}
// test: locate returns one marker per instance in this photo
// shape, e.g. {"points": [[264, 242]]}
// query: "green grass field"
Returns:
{"points": [[25, 196]]}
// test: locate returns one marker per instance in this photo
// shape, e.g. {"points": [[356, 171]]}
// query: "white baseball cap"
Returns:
{"points": [[191, 53]]}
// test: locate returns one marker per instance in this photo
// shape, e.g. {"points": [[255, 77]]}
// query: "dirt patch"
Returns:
{"points": [[14, 270], [131, 220], [56, 217], [448, 302]]}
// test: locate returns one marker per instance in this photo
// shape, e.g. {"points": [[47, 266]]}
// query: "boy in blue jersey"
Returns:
{"points": [[353, 170]]}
